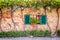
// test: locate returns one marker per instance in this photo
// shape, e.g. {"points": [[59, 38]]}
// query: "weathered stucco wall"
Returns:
{"points": [[15, 21]]}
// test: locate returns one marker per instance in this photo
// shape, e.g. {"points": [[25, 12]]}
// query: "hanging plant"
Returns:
{"points": [[18, 2], [37, 4], [34, 20]]}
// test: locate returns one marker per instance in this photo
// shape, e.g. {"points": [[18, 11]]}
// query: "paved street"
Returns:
{"points": [[28, 38]]}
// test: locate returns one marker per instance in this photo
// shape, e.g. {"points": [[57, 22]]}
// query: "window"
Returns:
{"points": [[40, 19]]}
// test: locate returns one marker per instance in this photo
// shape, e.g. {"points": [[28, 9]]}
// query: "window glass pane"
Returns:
{"points": [[37, 19]]}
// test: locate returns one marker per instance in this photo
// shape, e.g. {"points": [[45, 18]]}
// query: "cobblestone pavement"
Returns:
{"points": [[29, 38]]}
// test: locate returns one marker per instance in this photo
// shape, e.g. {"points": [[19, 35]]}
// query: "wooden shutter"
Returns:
{"points": [[26, 19], [42, 19]]}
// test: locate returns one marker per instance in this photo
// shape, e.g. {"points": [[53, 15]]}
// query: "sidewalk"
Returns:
{"points": [[28, 38]]}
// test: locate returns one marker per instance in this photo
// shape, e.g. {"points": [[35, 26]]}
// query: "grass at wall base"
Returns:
{"points": [[34, 33]]}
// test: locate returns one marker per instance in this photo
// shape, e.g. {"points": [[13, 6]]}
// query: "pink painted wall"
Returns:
{"points": [[18, 18]]}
